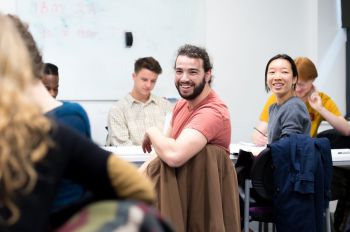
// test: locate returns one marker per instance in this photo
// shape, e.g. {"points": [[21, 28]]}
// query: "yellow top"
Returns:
{"points": [[316, 118]]}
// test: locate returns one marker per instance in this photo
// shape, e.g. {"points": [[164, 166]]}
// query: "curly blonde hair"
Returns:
{"points": [[24, 130]]}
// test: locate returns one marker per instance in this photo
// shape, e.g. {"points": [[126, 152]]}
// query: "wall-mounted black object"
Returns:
{"points": [[128, 39], [345, 13]]}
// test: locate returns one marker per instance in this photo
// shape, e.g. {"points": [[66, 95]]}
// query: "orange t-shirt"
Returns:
{"points": [[210, 117]]}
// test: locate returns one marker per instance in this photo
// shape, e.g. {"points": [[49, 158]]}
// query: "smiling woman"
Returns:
{"points": [[320, 106], [289, 115]]}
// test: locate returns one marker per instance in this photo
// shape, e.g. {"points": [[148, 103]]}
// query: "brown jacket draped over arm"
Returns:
{"points": [[201, 195]]}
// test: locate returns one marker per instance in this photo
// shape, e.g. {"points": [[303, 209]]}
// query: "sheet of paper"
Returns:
{"points": [[341, 154], [246, 146]]}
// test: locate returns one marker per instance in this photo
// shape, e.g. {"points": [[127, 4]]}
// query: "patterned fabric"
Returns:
{"points": [[316, 118], [116, 216], [129, 119]]}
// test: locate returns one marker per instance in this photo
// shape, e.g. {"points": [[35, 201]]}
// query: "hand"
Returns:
{"points": [[143, 167], [146, 144], [259, 134], [315, 100], [260, 140]]}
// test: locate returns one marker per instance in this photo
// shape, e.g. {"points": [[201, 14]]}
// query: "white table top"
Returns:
{"points": [[340, 157], [235, 147], [129, 153]]}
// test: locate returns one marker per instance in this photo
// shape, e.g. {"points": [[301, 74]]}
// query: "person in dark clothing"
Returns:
{"points": [[70, 114], [51, 79]]}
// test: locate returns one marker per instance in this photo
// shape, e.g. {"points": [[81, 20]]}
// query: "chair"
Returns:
{"points": [[261, 175], [256, 174], [260, 194]]}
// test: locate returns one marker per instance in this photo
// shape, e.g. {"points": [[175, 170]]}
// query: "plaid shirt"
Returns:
{"points": [[129, 119]]}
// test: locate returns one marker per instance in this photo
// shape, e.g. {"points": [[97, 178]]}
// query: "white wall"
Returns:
{"points": [[242, 36], [331, 51], [97, 112], [251, 32]]}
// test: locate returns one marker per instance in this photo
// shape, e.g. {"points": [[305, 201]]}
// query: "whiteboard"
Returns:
{"points": [[86, 40]]}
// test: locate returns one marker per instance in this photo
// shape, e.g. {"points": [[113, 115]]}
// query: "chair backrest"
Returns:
{"points": [[336, 139], [261, 175], [243, 166]]}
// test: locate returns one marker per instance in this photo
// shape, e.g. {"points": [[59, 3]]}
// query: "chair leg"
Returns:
{"points": [[248, 185], [260, 227], [266, 227], [328, 220]]}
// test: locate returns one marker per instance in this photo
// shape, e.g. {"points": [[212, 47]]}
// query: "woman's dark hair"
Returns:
{"points": [[285, 57], [50, 69]]}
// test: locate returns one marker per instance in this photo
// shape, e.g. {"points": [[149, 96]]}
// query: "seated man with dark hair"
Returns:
{"points": [[131, 116]]}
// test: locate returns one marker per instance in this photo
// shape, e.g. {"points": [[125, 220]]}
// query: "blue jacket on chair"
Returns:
{"points": [[302, 177]]}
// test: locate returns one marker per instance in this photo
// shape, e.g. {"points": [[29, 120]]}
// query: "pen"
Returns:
{"points": [[259, 131]]}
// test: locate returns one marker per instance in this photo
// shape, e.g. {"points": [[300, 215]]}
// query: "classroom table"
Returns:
{"points": [[340, 157], [134, 154]]}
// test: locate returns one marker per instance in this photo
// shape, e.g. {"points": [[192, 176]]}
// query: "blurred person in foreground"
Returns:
{"points": [[36, 152]]}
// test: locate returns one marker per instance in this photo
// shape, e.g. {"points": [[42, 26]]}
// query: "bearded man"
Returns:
{"points": [[198, 119]]}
